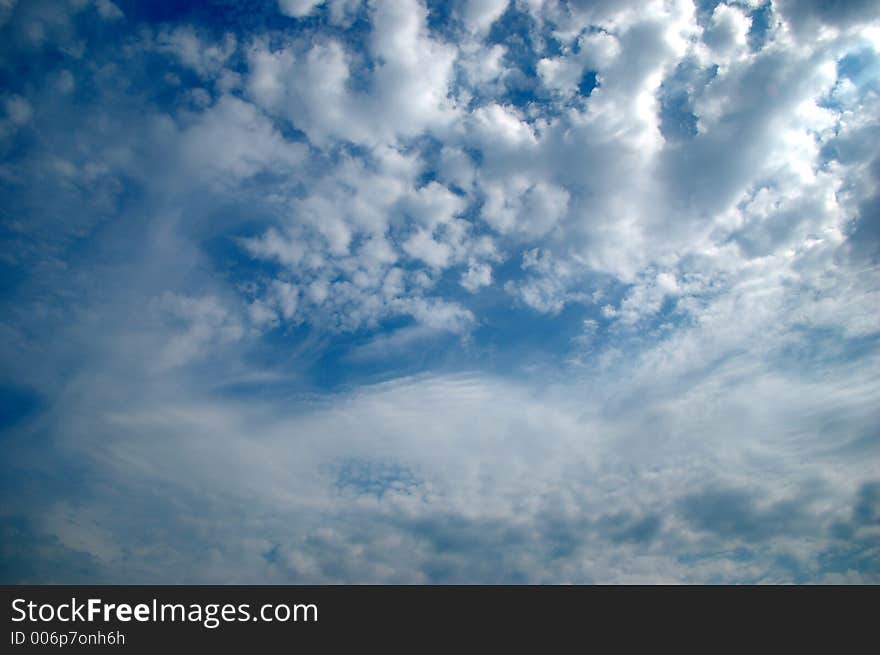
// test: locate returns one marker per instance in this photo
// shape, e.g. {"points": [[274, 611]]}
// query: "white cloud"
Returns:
{"points": [[521, 206], [205, 58], [206, 322], [108, 11], [18, 110], [408, 87], [728, 30], [232, 140], [477, 275], [309, 89], [479, 15], [298, 8], [422, 245], [432, 205], [412, 481]]}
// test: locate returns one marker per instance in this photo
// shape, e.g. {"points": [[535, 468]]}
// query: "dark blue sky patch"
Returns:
{"points": [[677, 119], [859, 67], [17, 404], [761, 18], [514, 30], [864, 231], [588, 83], [342, 364], [440, 18]]}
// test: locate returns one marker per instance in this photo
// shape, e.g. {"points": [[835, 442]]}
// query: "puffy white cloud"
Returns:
{"points": [[422, 245], [202, 56], [411, 83], [479, 15], [457, 168], [437, 314], [298, 8], [233, 140], [340, 12], [407, 88], [521, 206], [728, 30], [477, 275], [308, 88], [432, 205]]}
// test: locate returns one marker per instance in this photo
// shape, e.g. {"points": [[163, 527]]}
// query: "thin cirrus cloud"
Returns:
{"points": [[460, 292]]}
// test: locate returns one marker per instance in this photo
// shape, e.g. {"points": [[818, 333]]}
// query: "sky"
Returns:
{"points": [[499, 291]]}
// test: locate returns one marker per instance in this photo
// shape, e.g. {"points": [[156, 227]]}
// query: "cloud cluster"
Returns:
{"points": [[527, 290]]}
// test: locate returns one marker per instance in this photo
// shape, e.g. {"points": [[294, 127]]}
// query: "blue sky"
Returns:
{"points": [[473, 291]]}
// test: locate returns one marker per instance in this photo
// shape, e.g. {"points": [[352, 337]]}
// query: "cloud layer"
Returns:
{"points": [[526, 291]]}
